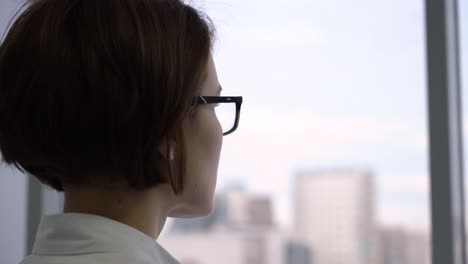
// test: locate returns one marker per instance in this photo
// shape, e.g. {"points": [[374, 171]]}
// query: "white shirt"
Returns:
{"points": [[76, 238]]}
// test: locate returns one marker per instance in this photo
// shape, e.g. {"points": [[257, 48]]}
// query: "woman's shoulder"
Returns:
{"points": [[123, 257], [91, 258]]}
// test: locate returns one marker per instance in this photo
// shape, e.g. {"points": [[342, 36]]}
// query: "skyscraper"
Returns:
{"points": [[403, 246], [334, 216], [249, 210], [296, 253]]}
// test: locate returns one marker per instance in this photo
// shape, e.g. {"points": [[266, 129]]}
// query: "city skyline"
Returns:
{"points": [[338, 228]]}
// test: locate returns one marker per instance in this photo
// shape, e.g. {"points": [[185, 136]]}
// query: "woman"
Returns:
{"points": [[113, 103]]}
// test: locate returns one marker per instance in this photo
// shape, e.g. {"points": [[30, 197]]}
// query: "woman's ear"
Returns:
{"points": [[171, 153], [167, 150]]}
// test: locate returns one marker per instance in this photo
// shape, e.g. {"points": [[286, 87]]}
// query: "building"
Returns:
{"points": [[334, 216], [400, 246], [260, 211], [296, 253], [246, 209]]}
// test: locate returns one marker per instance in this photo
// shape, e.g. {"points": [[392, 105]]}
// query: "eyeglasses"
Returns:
{"points": [[227, 110]]}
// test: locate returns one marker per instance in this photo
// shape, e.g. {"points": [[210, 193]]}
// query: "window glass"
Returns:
{"points": [[329, 164]]}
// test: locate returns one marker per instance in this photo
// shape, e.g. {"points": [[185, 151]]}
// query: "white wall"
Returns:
{"points": [[12, 185], [13, 215]]}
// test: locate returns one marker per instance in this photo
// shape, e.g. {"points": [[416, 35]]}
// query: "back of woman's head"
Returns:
{"points": [[95, 87]]}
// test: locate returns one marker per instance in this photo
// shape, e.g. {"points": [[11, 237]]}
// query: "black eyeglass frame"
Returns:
{"points": [[224, 99]]}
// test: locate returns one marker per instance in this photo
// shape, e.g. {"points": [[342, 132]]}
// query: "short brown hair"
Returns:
{"points": [[88, 86]]}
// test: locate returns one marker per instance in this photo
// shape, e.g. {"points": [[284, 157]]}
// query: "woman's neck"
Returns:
{"points": [[146, 211]]}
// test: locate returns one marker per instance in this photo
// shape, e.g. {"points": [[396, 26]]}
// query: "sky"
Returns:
{"points": [[328, 84]]}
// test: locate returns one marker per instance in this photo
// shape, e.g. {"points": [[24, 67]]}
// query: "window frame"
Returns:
{"points": [[445, 133]]}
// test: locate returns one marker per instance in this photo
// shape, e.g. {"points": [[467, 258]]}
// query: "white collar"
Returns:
{"points": [[78, 233]]}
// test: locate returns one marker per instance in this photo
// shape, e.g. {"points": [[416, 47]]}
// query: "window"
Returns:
{"points": [[332, 138]]}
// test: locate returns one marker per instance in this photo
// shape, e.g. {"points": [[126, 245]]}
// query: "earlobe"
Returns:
{"points": [[171, 152], [167, 150]]}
